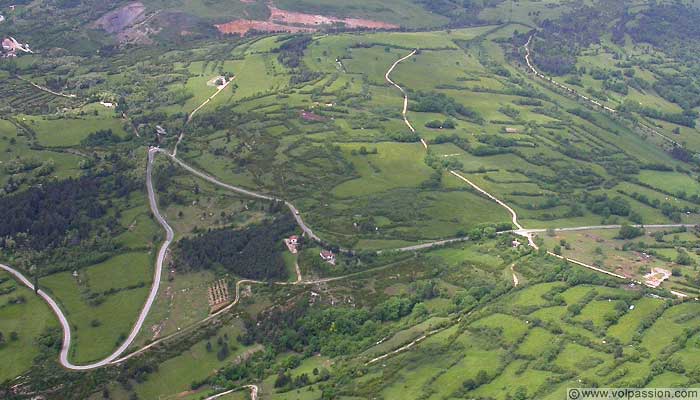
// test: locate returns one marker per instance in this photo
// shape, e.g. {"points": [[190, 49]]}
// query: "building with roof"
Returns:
{"points": [[328, 256]]}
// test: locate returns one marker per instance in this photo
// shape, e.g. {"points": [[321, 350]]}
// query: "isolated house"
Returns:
{"points": [[328, 256], [292, 243]]}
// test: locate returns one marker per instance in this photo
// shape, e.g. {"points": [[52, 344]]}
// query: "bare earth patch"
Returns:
{"points": [[243, 26], [656, 277], [118, 20], [310, 116], [291, 17], [290, 21]]}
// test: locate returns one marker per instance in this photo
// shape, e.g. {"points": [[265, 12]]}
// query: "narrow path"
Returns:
{"points": [[531, 66], [189, 328], [514, 216], [404, 112], [191, 115], [597, 227], [529, 234], [516, 281], [295, 212], [45, 89], [298, 270], [253, 392]]}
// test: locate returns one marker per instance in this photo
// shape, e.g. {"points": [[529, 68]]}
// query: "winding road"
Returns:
{"points": [[117, 356], [65, 347]]}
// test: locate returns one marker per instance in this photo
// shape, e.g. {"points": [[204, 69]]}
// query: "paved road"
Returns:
{"points": [[65, 348]]}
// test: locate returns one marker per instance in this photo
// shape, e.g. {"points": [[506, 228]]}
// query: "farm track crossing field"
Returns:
{"points": [[312, 119]]}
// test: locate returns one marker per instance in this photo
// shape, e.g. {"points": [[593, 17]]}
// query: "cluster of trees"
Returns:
{"points": [[460, 12], [437, 124], [40, 217], [685, 118], [455, 139], [563, 37], [13, 337], [291, 55], [102, 137], [606, 206], [332, 331], [253, 252], [285, 381], [629, 232], [441, 103], [667, 209]]}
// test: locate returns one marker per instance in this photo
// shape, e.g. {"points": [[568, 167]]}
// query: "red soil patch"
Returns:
{"points": [[310, 116], [243, 26], [290, 21]]}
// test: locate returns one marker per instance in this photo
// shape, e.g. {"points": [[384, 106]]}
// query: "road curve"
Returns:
{"points": [[65, 348], [297, 215], [404, 112]]}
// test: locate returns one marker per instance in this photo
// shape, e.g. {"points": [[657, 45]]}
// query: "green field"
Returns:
{"points": [[28, 319], [311, 120]]}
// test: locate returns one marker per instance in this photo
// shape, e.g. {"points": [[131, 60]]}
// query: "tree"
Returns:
{"points": [[14, 336], [481, 377], [282, 380], [223, 352], [574, 309], [683, 258], [629, 232], [520, 393]]}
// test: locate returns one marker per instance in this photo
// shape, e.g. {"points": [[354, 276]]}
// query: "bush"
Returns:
{"points": [[629, 232]]}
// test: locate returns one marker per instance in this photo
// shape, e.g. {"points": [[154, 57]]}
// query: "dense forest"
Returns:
{"points": [[252, 252], [561, 41], [61, 212]]}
